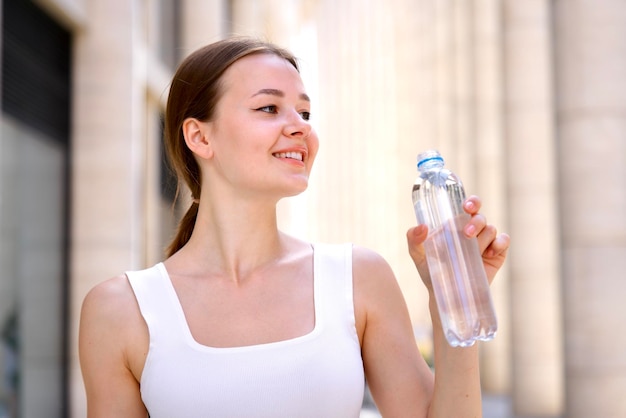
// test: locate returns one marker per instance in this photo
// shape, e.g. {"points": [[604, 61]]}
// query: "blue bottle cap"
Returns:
{"points": [[430, 155]]}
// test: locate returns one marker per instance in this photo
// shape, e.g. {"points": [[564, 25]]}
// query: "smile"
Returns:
{"points": [[292, 155]]}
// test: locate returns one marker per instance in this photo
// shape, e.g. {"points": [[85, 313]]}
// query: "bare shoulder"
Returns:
{"points": [[112, 345], [371, 272], [376, 290], [113, 342], [111, 325], [110, 301]]}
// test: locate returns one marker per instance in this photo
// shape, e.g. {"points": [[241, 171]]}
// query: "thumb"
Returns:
{"points": [[415, 238]]}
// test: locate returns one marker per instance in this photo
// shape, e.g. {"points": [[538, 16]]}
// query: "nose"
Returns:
{"points": [[297, 127]]}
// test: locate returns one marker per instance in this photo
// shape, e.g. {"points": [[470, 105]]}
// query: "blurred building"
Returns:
{"points": [[525, 99]]}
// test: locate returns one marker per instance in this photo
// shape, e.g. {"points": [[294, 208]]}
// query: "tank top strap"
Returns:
{"points": [[334, 288], [153, 292]]}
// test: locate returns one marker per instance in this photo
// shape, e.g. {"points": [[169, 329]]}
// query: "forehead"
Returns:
{"points": [[259, 71]]}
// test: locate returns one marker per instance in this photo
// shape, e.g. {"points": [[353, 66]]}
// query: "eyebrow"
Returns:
{"points": [[279, 93]]}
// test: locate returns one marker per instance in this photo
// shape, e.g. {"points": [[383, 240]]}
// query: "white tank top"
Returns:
{"points": [[316, 375]]}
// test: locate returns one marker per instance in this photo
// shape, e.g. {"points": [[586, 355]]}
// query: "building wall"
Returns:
{"points": [[119, 218], [532, 188], [590, 61], [34, 153], [524, 99]]}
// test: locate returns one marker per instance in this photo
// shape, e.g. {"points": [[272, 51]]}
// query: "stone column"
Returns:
{"points": [[462, 51], [533, 209], [106, 159], [363, 180], [488, 153], [415, 114], [202, 22], [591, 118]]}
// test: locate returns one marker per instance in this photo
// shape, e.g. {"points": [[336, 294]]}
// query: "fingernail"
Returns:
{"points": [[470, 229], [469, 205]]}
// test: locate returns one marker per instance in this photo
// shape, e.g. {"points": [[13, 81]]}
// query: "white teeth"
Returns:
{"points": [[294, 155]]}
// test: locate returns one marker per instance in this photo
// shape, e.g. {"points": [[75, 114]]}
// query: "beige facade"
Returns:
{"points": [[590, 62], [526, 100], [532, 191]]}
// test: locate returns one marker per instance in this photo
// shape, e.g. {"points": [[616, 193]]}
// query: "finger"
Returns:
{"points": [[417, 235], [475, 225], [472, 204], [486, 237], [415, 238], [499, 246]]}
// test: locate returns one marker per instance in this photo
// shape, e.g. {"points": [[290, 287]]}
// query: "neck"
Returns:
{"points": [[234, 240]]}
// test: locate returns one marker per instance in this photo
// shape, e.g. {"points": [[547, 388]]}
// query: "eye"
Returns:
{"points": [[268, 109], [306, 115]]}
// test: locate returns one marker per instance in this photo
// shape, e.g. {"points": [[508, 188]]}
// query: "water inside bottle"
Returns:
{"points": [[461, 286]]}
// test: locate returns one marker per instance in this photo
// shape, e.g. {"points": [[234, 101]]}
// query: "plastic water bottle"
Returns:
{"points": [[456, 269]]}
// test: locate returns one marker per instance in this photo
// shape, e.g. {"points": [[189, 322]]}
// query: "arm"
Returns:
{"points": [[400, 381], [113, 340], [457, 378], [398, 377]]}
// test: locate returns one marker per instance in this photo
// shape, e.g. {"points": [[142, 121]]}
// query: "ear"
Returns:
{"points": [[197, 138]]}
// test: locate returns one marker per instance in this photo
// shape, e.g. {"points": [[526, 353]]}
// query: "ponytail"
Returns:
{"points": [[185, 228]]}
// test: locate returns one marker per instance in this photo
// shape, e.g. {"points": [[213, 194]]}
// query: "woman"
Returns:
{"points": [[242, 319]]}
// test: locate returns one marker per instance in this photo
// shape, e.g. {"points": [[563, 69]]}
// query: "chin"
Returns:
{"points": [[295, 190], [295, 193]]}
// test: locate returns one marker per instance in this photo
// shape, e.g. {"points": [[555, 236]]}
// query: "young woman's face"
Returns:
{"points": [[261, 135]]}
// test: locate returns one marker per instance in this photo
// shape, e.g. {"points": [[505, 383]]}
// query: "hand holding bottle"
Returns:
{"points": [[493, 246]]}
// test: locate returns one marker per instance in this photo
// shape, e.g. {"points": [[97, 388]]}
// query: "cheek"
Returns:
{"points": [[232, 140], [313, 144]]}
